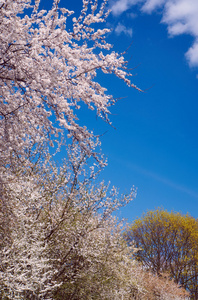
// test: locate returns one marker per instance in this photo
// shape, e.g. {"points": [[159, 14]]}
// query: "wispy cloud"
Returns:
{"points": [[132, 15], [164, 180], [157, 177], [120, 28], [180, 16]]}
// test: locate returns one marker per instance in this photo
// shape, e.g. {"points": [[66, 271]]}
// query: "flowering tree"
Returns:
{"points": [[48, 69], [58, 237], [46, 72], [25, 268], [62, 239]]}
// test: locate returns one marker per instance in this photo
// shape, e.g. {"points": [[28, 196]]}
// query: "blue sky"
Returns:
{"points": [[155, 144]]}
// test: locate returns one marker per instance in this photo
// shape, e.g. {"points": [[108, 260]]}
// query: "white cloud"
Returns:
{"points": [[120, 6], [192, 55], [120, 28], [180, 16], [150, 5]]}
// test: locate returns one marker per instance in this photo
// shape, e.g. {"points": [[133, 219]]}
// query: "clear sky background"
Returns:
{"points": [[155, 144]]}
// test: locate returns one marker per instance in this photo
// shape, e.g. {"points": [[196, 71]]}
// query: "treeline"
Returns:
{"points": [[59, 239]]}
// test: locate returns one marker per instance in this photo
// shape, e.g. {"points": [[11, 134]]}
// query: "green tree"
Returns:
{"points": [[168, 243]]}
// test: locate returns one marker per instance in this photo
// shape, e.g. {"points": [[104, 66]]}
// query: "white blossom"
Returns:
{"points": [[48, 69]]}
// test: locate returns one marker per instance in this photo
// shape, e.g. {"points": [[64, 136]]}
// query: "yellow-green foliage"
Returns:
{"points": [[168, 242]]}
